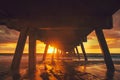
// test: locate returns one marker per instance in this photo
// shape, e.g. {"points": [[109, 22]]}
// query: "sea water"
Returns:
{"points": [[91, 57]]}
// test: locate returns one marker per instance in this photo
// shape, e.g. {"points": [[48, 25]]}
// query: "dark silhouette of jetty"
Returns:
{"points": [[63, 24]]}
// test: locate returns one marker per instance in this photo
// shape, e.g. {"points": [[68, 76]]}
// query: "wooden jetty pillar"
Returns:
{"points": [[73, 52], [60, 54], [77, 52], [45, 52], [105, 50], [19, 51], [83, 51], [53, 55], [32, 52], [57, 54]]}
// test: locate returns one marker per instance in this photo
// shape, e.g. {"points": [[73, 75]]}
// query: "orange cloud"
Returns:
{"points": [[7, 47]]}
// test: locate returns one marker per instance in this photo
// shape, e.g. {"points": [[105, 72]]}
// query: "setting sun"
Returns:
{"points": [[51, 49]]}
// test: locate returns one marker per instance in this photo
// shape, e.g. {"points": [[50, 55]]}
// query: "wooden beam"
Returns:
{"points": [[73, 52], [57, 54], [52, 57], [83, 51], [77, 53], [45, 52], [105, 50], [19, 51], [32, 52]]}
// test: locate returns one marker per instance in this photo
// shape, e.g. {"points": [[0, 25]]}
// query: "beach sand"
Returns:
{"points": [[61, 70]]}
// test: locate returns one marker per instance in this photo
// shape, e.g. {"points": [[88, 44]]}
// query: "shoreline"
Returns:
{"points": [[95, 70], [83, 70]]}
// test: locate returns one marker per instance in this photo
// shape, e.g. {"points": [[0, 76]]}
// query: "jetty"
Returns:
{"points": [[63, 24]]}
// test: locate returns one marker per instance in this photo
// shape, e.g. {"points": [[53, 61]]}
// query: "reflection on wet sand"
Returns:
{"points": [[62, 70], [98, 71], [65, 70]]}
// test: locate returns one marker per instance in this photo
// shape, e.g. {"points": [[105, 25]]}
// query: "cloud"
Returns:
{"points": [[116, 20], [8, 35], [112, 34], [113, 43]]}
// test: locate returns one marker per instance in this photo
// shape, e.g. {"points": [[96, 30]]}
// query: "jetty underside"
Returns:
{"points": [[63, 24]]}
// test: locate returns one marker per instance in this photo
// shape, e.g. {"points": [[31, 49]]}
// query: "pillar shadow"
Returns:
{"points": [[110, 75], [16, 76], [45, 75]]}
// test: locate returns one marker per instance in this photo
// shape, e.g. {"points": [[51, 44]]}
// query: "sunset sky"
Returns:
{"points": [[9, 37]]}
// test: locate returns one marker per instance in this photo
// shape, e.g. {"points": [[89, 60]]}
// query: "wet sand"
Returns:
{"points": [[66, 70], [61, 70]]}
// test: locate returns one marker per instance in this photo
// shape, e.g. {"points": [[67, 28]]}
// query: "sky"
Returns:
{"points": [[9, 37]]}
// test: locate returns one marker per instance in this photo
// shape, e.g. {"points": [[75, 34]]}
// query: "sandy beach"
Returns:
{"points": [[61, 70]]}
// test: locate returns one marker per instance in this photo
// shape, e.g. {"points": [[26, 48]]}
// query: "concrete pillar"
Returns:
{"points": [[45, 52], [83, 51], [77, 53], [105, 50], [32, 52], [19, 51]]}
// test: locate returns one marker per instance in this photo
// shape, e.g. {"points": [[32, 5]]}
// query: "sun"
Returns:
{"points": [[50, 50]]}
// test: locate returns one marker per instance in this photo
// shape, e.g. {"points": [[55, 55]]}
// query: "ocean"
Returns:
{"points": [[91, 57]]}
